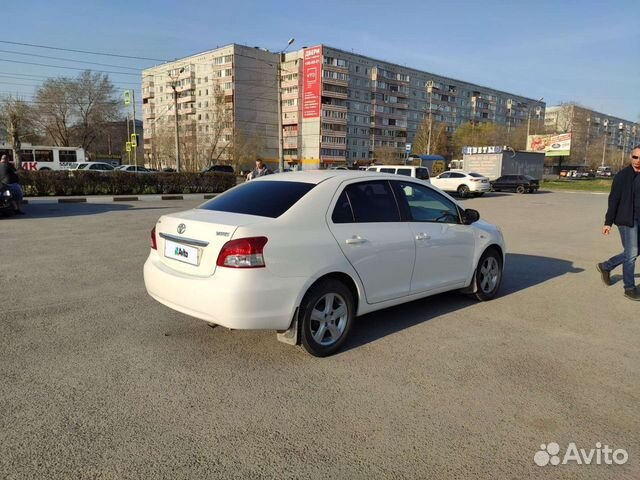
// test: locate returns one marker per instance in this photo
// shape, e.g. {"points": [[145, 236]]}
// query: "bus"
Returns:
{"points": [[39, 157]]}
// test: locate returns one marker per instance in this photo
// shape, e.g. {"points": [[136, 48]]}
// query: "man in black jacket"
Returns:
{"points": [[624, 211], [9, 177]]}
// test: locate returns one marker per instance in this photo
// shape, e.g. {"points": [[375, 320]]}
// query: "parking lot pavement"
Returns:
{"points": [[100, 381]]}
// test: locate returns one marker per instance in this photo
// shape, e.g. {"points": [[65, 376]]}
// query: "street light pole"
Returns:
{"points": [[279, 84], [430, 91], [605, 123], [538, 109], [174, 83], [586, 147], [621, 130]]}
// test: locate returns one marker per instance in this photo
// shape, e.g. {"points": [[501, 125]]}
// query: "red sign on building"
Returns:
{"points": [[312, 84]]}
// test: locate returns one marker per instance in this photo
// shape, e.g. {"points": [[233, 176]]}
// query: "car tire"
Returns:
{"points": [[463, 191], [325, 326], [488, 275], [520, 189], [479, 194], [495, 189]]}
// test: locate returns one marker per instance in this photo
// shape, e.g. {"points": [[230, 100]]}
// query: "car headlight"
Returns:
{"points": [[6, 193]]}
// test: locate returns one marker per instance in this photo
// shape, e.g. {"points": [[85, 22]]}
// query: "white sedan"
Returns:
{"points": [[306, 252], [463, 183]]}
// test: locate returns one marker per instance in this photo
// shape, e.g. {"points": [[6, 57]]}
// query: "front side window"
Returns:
{"points": [[457, 175], [372, 202], [424, 204], [445, 175]]}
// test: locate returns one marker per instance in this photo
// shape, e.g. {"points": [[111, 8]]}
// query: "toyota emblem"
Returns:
{"points": [[181, 228]]}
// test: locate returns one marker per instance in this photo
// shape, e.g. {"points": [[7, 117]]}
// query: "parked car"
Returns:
{"points": [[133, 169], [421, 173], [218, 168], [168, 170], [93, 167], [463, 183], [604, 171], [516, 183], [363, 242]]}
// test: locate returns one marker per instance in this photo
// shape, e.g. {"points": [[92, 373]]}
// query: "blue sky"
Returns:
{"points": [[584, 51]]}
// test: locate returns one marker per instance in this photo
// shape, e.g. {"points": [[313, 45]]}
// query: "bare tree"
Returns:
{"points": [[387, 155], [18, 120], [73, 111], [94, 105]]}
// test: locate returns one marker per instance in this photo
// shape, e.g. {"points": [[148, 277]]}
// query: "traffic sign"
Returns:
{"points": [[128, 146], [134, 140], [407, 148], [127, 97]]}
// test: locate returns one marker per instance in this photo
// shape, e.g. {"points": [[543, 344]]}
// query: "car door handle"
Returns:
{"points": [[356, 240], [423, 236]]}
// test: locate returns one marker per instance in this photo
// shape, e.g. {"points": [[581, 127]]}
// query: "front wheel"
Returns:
{"points": [[520, 189], [327, 312], [463, 191], [479, 194], [488, 275]]}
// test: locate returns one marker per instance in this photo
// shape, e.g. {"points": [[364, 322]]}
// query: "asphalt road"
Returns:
{"points": [[100, 381]]}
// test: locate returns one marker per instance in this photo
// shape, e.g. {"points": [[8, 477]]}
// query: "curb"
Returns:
{"points": [[117, 198]]}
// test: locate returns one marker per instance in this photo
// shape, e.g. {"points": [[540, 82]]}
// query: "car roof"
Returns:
{"points": [[318, 176]]}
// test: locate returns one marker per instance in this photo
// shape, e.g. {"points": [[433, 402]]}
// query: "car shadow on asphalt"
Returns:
{"points": [[521, 272], [53, 210]]}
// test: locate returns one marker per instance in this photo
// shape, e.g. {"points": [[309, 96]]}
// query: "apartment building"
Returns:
{"points": [[337, 107], [596, 137], [227, 107], [350, 105]]}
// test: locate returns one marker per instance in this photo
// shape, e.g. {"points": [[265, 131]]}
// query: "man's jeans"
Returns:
{"points": [[16, 191], [630, 237]]}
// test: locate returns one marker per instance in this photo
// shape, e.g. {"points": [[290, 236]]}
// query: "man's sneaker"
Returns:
{"points": [[632, 293], [604, 274]]}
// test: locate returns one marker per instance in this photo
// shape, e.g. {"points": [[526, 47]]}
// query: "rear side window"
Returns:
{"points": [[263, 199], [388, 170], [475, 175], [404, 171], [371, 202], [457, 175]]}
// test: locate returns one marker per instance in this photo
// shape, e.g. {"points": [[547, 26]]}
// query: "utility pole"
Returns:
{"points": [[135, 147], [279, 85], [430, 87], [174, 84], [128, 138], [586, 147], [605, 123], [622, 150]]}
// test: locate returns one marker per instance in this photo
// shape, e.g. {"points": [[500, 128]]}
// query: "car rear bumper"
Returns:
{"points": [[480, 187], [249, 299]]}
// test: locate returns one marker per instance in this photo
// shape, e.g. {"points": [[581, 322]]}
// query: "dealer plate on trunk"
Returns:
{"points": [[181, 252]]}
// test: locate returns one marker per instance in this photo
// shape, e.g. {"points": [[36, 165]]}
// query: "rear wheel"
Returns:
{"points": [[488, 275], [479, 194], [520, 189], [327, 312], [463, 191]]}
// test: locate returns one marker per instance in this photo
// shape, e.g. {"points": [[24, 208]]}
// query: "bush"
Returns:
{"points": [[61, 183]]}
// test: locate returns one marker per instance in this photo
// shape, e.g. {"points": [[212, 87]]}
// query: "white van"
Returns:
{"points": [[421, 173]]}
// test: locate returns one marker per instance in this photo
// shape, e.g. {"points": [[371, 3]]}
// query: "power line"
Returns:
{"points": [[68, 68], [68, 60], [84, 51]]}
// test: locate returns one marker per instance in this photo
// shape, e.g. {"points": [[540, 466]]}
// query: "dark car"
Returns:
{"points": [[218, 168], [516, 183]]}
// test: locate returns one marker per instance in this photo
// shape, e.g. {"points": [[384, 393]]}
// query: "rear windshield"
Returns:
{"points": [[475, 175], [264, 199]]}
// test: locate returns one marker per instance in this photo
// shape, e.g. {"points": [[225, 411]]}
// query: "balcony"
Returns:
{"points": [[187, 111], [334, 133], [187, 74], [290, 133], [335, 81], [333, 108], [289, 83], [333, 146], [329, 93], [149, 114], [185, 87], [148, 92], [290, 142], [187, 98], [292, 119]]}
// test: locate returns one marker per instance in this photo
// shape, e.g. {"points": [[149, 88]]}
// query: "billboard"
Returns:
{"points": [[551, 145], [312, 82]]}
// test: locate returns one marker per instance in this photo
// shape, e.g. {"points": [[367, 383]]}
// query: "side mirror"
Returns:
{"points": [[470, 216]]}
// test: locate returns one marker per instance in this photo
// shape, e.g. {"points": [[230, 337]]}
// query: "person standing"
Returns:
{"points": [[260, 170], [624, 211], [9, 177]]}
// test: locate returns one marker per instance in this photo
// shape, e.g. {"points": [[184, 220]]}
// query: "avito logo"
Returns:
{"points": [[181, 252]]}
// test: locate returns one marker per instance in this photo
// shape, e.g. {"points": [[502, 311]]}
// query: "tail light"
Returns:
{"points": [[154, 243], [474, 180], [243, 253]]}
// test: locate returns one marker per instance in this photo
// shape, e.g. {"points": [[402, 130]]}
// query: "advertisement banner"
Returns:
{"points": [[551, 145], [312, 83]]}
